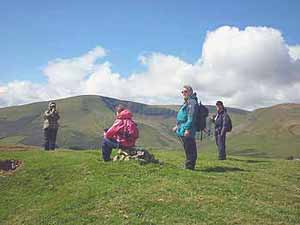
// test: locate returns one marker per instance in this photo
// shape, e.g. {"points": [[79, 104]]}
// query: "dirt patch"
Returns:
{"points": [[16, 148], [294, 129], [9, 165]]}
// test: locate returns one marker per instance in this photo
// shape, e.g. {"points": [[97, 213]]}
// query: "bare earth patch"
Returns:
{"points": [[17, 147]]}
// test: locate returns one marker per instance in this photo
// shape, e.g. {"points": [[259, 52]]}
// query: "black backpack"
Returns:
{"points": [[229, 129], [201, 116]]}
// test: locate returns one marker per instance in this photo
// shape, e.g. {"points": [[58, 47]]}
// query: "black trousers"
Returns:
{"points": [[50, 138], [221, 144], [190, 148], [107, 146]]}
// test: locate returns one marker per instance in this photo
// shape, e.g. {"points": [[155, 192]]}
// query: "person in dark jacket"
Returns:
{"points": [[186, 126], [51, 117], [221, 121]]}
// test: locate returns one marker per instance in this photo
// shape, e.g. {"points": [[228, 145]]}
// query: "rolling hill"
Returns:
{"points": [[267, 132]]}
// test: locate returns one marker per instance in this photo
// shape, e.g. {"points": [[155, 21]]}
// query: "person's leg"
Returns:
{"points": [[53, 139], [107, 146], [190, 148], [221, 146], [46, 139], [50, 136]]}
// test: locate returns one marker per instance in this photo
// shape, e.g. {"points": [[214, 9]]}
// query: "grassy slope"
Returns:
{"points": [[82, 123], [269, 132], [68, 187]]}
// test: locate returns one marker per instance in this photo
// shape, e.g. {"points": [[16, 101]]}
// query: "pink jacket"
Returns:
{"points": [[116, 131]]}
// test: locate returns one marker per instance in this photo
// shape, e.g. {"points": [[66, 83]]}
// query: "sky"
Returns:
{"points": [[244, 53]]}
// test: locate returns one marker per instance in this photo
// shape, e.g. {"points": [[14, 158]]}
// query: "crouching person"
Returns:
{"points": [[122, 134], [186, 126], [51, 117]]}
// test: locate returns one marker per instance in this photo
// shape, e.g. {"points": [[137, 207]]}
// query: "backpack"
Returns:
{"points": [[201, 116], [131, 130], [229, 129]]}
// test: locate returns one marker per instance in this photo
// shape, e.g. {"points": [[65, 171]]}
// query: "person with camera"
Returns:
{"points": [[51, 117]]}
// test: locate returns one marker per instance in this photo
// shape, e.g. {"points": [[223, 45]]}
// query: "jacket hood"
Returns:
{"points": [[194, 96], [125, 114]]}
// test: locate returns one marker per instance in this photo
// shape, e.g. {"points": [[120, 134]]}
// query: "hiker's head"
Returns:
{"points": [[187, 91], [219, 106], [119, 108], [52, 105]]}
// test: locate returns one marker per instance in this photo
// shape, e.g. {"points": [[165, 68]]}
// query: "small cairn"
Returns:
{"points": [[135, 153]]}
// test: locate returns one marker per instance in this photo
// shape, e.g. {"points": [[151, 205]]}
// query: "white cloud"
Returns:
{"points": [[294, 51], [247, 68]]}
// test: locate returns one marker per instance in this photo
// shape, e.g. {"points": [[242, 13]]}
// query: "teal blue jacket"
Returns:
{"points": [[186, 117]]}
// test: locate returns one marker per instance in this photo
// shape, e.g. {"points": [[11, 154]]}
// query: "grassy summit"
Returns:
{"points": [[74, 187]]}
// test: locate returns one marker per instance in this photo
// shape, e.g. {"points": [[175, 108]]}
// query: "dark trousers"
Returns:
{"points": [[107, 146], [190, 148], [50, 138], [221, 144]]}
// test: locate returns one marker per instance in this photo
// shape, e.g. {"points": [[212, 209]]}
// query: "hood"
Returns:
{"points": [[194, 96], [125, 114]]}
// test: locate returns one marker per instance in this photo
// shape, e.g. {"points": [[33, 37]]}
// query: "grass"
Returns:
{"points": [[76, 187]]}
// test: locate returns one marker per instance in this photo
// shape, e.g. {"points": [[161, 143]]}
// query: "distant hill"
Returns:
{"points": [[83, 119], [267, 132]]}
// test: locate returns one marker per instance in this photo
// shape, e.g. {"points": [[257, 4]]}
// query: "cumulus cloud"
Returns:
{"points": [[294, 51], [247, 68]]}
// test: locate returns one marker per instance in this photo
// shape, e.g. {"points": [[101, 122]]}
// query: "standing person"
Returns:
{"points": [[51, 117], [222, 126], [122, 134], [186, 126]]}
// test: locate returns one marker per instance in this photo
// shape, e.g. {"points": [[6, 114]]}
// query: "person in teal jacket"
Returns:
{"points": [[186, 126]]}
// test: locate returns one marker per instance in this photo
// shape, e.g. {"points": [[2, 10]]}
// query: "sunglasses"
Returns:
{"points": [[184, 91]]}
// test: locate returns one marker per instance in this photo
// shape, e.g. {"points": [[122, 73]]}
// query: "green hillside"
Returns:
{"points": [[74, 187], [83, 119], [82, 122], [269, 132]]}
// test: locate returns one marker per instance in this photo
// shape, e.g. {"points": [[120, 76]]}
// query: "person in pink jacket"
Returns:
{"points": [[122, 134]]}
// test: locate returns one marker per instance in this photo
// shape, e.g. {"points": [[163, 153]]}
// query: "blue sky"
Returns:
{"points": [[246, 53], [34, 32]]}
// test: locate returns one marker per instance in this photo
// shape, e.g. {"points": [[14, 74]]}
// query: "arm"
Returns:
{"points": [[47, 114], [225, 124], [114, 129]]}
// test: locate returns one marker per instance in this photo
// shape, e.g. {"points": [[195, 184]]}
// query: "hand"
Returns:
{"points": [[174, 129], [187, 133]]}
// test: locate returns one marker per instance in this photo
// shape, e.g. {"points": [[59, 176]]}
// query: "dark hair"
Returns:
{"points": [[119, 108], [220, 103]]}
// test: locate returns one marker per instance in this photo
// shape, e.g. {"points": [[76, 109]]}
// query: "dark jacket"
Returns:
{"points": [[186, 117], [221, 122]]}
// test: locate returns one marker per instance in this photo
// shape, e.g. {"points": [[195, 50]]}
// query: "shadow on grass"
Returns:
{"points": [[221, 169], [249, 160]]}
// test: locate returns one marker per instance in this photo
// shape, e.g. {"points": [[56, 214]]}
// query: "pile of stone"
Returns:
{"points": [[135, 153]]}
